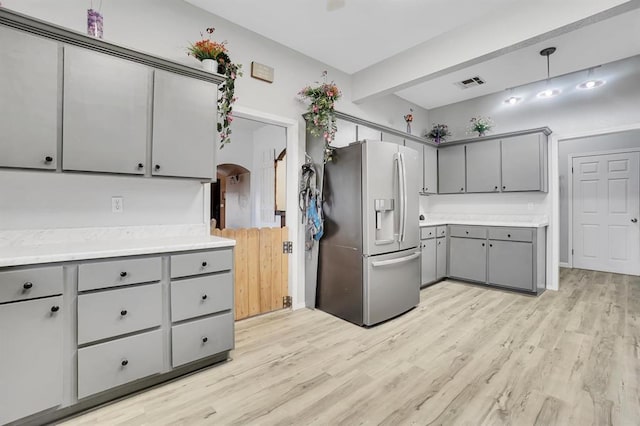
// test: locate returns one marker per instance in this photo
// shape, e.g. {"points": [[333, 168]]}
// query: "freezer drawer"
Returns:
{"points": [[392, 285]]}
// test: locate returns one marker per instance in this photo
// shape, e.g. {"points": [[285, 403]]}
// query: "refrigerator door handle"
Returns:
{"points": [[403, 197], [396, 261], [398, 159]]}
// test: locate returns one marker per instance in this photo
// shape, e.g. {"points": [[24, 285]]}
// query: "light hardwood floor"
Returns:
{"points": [[467, 355]]}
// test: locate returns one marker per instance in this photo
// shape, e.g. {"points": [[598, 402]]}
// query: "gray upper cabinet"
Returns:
{"points": [[418, 147], [29, 79], [430, 169], [184, 126], [388, 137], [483, 166], [451, 169], [365, 132], [524, 163], [30, 357], [346, 133], [106, 113]]}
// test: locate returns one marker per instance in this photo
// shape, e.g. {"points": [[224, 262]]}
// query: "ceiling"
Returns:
{"points": [[365, 34]]}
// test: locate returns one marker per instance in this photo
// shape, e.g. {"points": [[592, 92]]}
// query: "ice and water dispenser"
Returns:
{"points": [[385, 221]]}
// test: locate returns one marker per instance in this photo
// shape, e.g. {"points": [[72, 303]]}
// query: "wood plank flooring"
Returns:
{"points": [[467, 355]]}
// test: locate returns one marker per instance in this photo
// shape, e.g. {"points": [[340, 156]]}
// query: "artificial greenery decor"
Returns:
{"points": [[209, 49], [321, 111], [480, 124], [438, 133]]}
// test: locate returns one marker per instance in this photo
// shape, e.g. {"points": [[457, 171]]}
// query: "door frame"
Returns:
{"points": [[296, 263], [570, 191]]}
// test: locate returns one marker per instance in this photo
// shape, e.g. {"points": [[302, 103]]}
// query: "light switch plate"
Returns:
{"points": [[117, 204]]}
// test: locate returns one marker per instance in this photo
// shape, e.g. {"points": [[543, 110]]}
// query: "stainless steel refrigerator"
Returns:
{"points": [[369, 261]]}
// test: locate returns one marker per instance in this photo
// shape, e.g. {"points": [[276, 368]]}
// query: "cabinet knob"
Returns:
{"points": [[205, 339], [48, 159], [140, 166], [482, 244], [123, 274], [426, 189], [204, 264], [204, 297], [55, 308], [495, 188], [123, 312], [124, 362], [634, 220], [27, 285], [508, 235], [157, 167], [490, 245], [504, 187], [467, 232], [461, 189]]}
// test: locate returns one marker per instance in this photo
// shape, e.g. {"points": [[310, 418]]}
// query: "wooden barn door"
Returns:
{"points": [[261, 269]]}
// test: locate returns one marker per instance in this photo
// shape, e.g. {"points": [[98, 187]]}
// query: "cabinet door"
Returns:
{"points": [[522, 163], [29, 107], [184, 126], [346, 133], [441, 258], [388, 137], [483, 166], [428, 261], [30, 357], [451, 170], [418, 147], [511, 264], [106, 113], [365, 132], [468, 259], [430, 169]]}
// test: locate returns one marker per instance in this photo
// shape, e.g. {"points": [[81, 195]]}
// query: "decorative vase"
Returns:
{"points": [[437, 141], [221, 68], [408, 127], [481, 133], [95, 21], [210, 65]]}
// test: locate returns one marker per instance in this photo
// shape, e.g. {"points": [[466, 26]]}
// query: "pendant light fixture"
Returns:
{"points": [[591, 82], [548, 92]]}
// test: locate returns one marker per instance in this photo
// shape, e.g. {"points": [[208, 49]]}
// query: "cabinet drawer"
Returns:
{"points": [[114, 312], [21, 284], [110, 364], [201, 338], [199, 296], [427, 232], [114, 273], [441, 231], [204, 262], [511, 234], [468, 231]]}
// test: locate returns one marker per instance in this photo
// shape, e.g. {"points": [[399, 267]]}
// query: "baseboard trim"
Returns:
{"points": [[564, 265]]}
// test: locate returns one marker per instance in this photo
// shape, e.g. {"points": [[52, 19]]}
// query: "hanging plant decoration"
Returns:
{"points": [[208, 49], [321, 112], [438, 133]]}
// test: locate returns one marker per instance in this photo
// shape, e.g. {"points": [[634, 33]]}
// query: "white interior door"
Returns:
{"points": [[606, 207]]}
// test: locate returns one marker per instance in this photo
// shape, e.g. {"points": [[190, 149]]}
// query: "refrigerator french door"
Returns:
{"points": [[369, 258]]}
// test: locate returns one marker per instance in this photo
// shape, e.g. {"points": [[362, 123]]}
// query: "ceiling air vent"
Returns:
{"points": [[470, 82]]}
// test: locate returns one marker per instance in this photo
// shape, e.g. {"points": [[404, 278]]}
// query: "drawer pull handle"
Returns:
{"points": [[204, 264], [123, 274], [124, 362], [467, 232], [204, 297], [123, 312], [490, 245], [140, 165], [157, 167], [55, 308], [48, 159], [205, 339], [508, 235], [27, 285]]}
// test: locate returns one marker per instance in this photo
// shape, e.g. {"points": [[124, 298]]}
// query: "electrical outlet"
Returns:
{"points": [[117, 205]]}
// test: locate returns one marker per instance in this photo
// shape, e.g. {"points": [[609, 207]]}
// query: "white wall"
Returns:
{"points": [[238, 201], [272, 139], [165, 28]]}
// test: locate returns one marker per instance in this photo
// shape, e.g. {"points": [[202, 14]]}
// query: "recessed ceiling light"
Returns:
{"points": [[591, 84], [549, 93], [512, 100]]}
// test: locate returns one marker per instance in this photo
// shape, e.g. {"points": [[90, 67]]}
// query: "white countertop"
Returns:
{"points": [[98, 249], [522, 221]]}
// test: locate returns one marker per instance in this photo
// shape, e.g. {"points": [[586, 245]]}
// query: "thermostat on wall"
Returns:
{"points": [[262, 72]]}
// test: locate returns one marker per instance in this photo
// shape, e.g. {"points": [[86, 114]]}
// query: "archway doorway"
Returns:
{"points": [[231, 197]]}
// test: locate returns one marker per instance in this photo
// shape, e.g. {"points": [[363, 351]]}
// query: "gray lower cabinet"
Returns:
{"points": [[199, 296], [441, 258], [428, 260], [31, 339], [524, 163], [511, 264], [201, 338], [110, 364], [29, 108], [184, 126], [483, 166], [106, 113], [468, 259], [451, 170]]}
